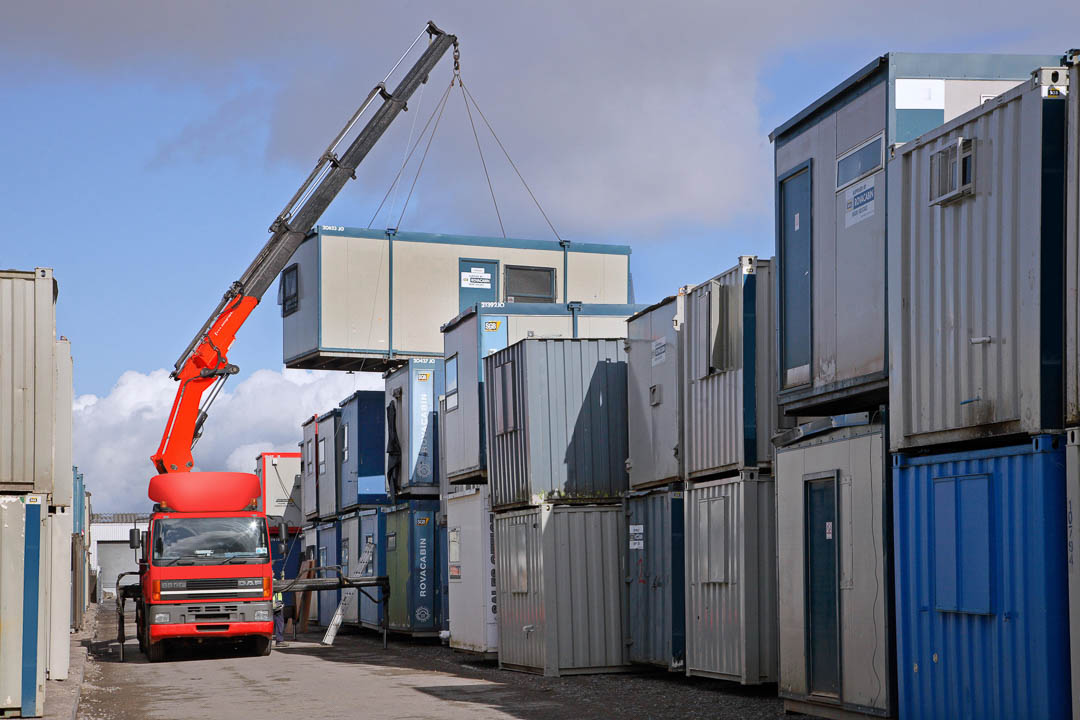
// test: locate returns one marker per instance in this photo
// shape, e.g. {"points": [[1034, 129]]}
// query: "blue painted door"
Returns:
{"points": [[795, 279], [822, 586], [478, 281]]}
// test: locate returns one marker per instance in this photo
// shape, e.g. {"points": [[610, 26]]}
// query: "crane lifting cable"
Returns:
{"points": [[436, 115]]}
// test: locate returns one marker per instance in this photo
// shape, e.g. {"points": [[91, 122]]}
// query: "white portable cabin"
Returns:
{"points": [[357, 299]]}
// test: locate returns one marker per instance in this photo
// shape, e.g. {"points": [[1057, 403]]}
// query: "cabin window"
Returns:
{"points": [[952, 172], [860, 161], [530, 284], [722, 343], [451, 383], [345, 442], [289, 291]]}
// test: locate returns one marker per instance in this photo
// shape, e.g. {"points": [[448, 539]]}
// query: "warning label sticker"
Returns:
{"points": [[477, 278], [637, 537], [858, 202]]}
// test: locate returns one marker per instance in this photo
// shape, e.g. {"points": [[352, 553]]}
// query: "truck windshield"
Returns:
{"points": [[210, 540]]}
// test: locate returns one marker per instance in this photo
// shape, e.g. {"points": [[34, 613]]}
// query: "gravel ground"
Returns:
{"points": [[410, 679]]}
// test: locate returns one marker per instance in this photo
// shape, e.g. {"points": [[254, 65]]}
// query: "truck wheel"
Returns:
{"points": [[261, 645], [155, 652]]}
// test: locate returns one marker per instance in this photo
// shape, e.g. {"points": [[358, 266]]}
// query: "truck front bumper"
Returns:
{"points": [[218, 629], [228, 619]]}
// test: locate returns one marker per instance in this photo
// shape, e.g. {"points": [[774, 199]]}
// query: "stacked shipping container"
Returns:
{"points": [[978, 378], [43, 557]]}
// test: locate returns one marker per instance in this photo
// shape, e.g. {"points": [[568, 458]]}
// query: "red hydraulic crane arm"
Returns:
{"points": [[204, 364]]}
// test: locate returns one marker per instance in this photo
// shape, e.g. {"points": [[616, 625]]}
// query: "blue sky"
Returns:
{"points": [[147, 147]]}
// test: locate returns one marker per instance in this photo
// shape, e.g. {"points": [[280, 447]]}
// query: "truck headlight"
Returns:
{"points": [[262, 615], [161, 617]]}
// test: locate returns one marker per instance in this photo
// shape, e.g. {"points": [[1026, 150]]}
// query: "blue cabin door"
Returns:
{"points": [[478, 281], [823, 586]]}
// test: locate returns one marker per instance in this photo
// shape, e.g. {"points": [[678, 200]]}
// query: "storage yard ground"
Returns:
{"points": [[357, 678]]}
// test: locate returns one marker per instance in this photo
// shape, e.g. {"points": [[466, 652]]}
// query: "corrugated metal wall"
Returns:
{"points": [[62, 488], [656, 579], [27, 351], [729, 341], [560, 589], [975, 282], [855, 460], [519, 576], [556, 420], [1072, 255], [731, 595], [981, 589]]}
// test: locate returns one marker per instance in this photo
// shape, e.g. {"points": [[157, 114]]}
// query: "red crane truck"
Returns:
{"points": [[205, 568]]}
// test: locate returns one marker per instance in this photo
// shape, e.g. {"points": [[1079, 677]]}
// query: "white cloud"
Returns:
{"points": [[115, 435]]}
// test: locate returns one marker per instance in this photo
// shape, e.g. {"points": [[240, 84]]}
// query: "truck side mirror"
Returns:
{"points": [[134, 538]]}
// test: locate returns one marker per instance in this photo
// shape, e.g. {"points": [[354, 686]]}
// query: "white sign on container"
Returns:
{"points": [[859, 202], [476, 278], [659, 351], [637, 537]]}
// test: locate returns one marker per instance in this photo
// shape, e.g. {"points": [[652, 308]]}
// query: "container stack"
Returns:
{"points": [[478, 331], [976, 311], [415, 522], [557, 447], [728, 415], [859, 377], [37, 493]]}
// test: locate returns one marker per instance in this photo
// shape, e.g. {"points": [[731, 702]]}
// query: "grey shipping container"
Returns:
{"points": [[62, 490], [328, 463], [830, 216], [654, 393], [1072, 251], [975, 258], [559, 577], [655, 578], [557, 421], [729, 412], [1072, 543], [833, 518], [470, 532], [24, 598], [309, 495], [362, 299], [731, 584], [27, 380], [485, 328]]}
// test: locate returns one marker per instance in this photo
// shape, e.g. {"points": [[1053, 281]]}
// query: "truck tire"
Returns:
{"points": [[155, 652], [261, 646]]}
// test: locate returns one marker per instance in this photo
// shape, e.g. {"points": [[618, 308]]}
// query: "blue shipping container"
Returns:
{"points": [[329, 546], [363, 461], [981, 589], [656, 579], [412, 441]]}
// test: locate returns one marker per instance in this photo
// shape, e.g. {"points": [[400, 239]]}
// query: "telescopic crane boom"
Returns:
{"points": [[204, 363]]}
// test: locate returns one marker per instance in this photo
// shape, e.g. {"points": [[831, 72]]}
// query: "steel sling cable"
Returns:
{"points": [[423, 157], [483, 163]]}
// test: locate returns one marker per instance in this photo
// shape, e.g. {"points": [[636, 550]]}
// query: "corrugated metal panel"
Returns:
{"points": [[63, 489], [976, 295], [731, 579], [1072, 543], [853, 461], [654, 423], [373, 300], [656, 579], [559, 579], [27, 352], [23, 595], [729, 343], [414, 389], [1072, 254], [981, 588], [470, 527], [557, 420]]}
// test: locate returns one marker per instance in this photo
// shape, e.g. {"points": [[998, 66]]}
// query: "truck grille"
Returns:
{"points": [[212, 584]]}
